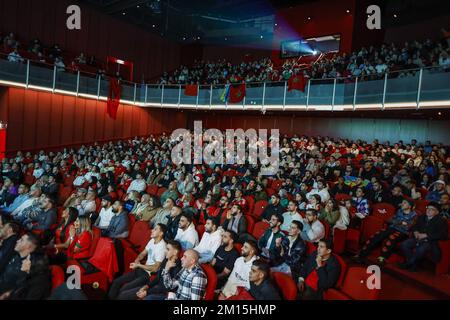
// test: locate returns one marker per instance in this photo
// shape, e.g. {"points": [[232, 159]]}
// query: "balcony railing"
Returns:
{"points": [[405, 89]]}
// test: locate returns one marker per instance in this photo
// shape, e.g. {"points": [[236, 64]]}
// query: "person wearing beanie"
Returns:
{"points": [[429, 229], [399, 227], [436, 191]]}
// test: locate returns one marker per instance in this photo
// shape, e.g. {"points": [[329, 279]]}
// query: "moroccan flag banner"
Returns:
{"points": [[297, 82], [113, 101], [191, 90], [237, 93]]}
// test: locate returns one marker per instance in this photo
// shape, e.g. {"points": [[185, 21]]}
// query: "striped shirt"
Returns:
{"points": [[191, 283]]}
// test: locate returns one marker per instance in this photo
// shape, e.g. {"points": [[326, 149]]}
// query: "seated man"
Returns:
{"points": [[427, 231], [236, 222], [155, 289], [290, 252], [19, 200], [210, 242], [290, 215], [32, 204], [187, 235], [17, 272], [155, 252], [9, 234], [239, 276], [118, 227], [274, 207], [106, 213], [173, 222], [225, 257], [45, 218], [313, 229], [398, 230], [190, 282], [261, 287], [162, 215], [319, 273], [266, 244]]}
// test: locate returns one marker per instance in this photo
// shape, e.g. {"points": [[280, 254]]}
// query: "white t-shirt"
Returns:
{"points": [[105, 217], [188, 238], [208, 245], [239, 277], [155, 252]]}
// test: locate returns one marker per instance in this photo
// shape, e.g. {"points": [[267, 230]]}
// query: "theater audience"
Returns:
{"points": [[118, 226], [313, 229], [106, 213], [267, 242], [290, 215], [225, 257]]}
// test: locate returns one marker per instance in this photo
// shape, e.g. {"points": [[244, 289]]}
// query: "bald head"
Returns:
{"points": [[189, 259]]}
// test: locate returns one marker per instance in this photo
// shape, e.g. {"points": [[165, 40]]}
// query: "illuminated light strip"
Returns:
{"points": [[377, 106]]}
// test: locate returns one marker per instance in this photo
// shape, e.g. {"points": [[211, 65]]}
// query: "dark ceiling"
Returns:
{"points": [[213, 21]]}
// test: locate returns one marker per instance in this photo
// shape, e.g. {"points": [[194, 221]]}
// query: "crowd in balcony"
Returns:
{"points": [[239, 234], [368, 64]]}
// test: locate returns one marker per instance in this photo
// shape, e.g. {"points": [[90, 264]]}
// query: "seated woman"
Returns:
{"points": [[79, 242], [330, 212], [62, 234]]}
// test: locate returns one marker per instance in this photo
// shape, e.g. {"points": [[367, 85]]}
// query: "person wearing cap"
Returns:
{"points": [[106, 213], [437, 191], [428, 230], [398, 230]]}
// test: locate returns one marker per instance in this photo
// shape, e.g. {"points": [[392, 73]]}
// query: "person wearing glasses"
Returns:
{"points": [[426, 232]]}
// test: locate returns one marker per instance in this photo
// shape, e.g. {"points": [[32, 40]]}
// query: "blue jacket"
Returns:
{"points": [[118, 226], [400, 217]]}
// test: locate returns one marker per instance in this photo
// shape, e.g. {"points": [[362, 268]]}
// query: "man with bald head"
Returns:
{"points": [[190, 282]]}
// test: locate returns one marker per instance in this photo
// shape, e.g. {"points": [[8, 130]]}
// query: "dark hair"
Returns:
{"points": [[254, 245], [188, 216], [33, 238], [238, 206], [162, 227], [298, 224], [313, 211], [233, 235], [175, 244], [156, 201], [279, 217], [328, 243], [214, 221], [263, 267]]}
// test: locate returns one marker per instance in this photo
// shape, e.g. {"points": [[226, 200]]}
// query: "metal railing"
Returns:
{"points": [[410, 89]]}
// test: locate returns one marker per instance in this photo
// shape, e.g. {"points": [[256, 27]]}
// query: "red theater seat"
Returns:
{"points": [[286, 284], [259, 208], [250, 224], [212, 281], [160, 192], [260, 228], [57, 276], [152, 189]]}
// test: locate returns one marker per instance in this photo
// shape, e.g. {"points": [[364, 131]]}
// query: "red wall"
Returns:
{"points": [[351, 127], [328, 17], [234, 54], [100, 35], [38, 120]]}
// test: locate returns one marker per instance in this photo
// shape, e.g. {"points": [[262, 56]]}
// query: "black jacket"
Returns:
{"points": [[7, 251], [242, 225], [265, 291], [271, 210], [436, 228], [156, 285], [328, 274]]}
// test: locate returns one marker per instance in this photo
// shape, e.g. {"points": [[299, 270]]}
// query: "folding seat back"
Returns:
{"points": [[259, 207], [140, 235], [152, 189], [371, 225], [342, 197], [132, 221], [160, 192], [286, 285], [96, 234], [355, 285], [200, 230], [343, 270], [238, 247], [259, 229], [57, 276], [276, 184], [212, 281], [383, 211], [270, 192], [421, 206], [250, 203], [250, 224]]}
